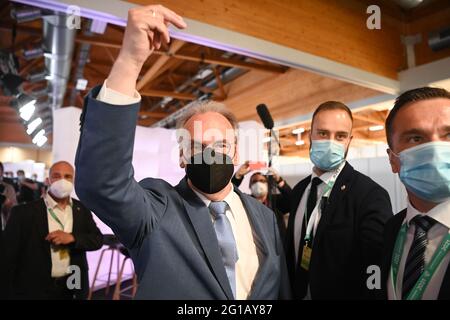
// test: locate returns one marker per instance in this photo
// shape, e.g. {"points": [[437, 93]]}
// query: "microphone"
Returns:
{"points": [[265, 116]]}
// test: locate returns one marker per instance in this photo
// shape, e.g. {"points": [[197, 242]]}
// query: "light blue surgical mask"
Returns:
{"points": [[327, 155], [425, 170]]}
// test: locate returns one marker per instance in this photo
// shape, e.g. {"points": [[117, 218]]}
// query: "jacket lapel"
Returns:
{"points": [[297, 193], [200, 219], [75, 217], [339, 190], [391, 232], [42, 225]]}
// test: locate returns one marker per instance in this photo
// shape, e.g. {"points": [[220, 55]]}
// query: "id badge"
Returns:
{"points": [[306, 257]]}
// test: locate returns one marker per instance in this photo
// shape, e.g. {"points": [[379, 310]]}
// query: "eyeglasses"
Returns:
{"points": [[192, 147]]}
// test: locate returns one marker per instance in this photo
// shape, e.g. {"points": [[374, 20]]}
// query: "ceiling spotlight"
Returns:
{"points": [[25, 14], [25, 105], [39, 138], [33, 125], [33, 53], [37, 93], [37, 76], [376, 128], [298, 130], [299, 142]]}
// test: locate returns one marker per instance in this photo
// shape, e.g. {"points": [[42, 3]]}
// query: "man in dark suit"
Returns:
{"points": [[202, 239], [45, 244], [417, 241], [337, 216]]}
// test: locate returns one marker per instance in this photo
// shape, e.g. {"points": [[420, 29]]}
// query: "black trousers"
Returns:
{"points": [[59, 290]]}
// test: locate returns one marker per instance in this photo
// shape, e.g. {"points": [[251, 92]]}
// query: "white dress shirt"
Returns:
{"points": [[440, 213], [248, 262], [59, 266], [300, 214]]}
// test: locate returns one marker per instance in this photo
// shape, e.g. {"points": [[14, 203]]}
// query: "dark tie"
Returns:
{"points": [[227, 243], [311, 204], [415, 262]]}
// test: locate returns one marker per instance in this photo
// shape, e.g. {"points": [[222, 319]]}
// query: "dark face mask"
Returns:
{"points": [[210, 173]]}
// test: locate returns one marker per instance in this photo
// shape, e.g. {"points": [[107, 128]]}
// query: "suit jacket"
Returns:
{"points": [[167, 230], [390, 236], [27, 273], [348, 239], [281, 204]]}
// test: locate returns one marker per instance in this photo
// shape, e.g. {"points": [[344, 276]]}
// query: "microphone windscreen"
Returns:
{"points": [[265, 116]]}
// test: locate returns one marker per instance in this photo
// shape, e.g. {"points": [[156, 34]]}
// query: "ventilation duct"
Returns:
{"points": [[439, 40], [58, 46]]}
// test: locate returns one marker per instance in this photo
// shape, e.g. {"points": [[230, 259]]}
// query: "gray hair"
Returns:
{"points": [[201, 107]]}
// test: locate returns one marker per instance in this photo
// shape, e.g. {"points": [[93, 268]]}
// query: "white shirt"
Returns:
{"points": [[440, 213], [248, 262], [300, 214], [59, 266]]}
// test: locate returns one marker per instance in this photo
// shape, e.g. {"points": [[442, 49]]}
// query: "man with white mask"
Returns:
{"points": [[46, 241], [417, 240], [335, 229]]}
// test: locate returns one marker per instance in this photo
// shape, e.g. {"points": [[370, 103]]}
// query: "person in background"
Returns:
{"points": [[26, 188], [335, 229], [259, 188], [417, 240], [44, 238], [40, 191], [7, 198]]}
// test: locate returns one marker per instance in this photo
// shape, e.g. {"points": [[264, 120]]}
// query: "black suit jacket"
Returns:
{"points": [[27, 260], [390, 236], [348, 239]]}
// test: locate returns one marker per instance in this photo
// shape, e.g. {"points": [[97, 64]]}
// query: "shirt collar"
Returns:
{"points": [[229, 198], [51, 203], [326, 177], [440, 213]]}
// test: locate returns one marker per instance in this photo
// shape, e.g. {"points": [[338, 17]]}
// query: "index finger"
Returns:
{"points": [[172, 17]]}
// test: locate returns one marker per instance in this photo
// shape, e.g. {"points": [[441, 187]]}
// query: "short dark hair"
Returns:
{"points": [[2, 168], [258, 173], [332, 105], [414, 95]]}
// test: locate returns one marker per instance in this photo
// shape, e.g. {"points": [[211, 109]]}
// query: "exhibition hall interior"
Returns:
{"points": [[74, 144]]}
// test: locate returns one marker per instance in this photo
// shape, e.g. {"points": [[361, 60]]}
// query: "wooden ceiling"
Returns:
{"points": [[182, 71]]}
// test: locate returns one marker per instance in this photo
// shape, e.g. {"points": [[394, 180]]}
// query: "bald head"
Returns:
{"points": [[61, 170]]}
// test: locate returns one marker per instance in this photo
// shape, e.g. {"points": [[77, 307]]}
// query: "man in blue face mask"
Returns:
{"points": [[335, 229], [417, 239]]}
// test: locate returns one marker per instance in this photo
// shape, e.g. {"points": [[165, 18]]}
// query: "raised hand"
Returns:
{"points": [[147, 29]]}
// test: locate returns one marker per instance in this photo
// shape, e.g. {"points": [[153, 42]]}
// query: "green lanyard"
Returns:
{"points": [[419, 288], [52, 213], [326, 191], [54, 216]]}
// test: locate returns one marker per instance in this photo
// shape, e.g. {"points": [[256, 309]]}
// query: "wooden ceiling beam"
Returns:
{"points": [[163, 94], [231, 63], [153, 115], [162, 60], [95, 41], [368, 119]]}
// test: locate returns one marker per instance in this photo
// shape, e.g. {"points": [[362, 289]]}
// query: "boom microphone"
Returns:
{"points": [[265, 116]]}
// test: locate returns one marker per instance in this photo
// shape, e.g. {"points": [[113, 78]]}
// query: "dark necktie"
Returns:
{"points": [[415, 262], [227, 243], [310, 205]]}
